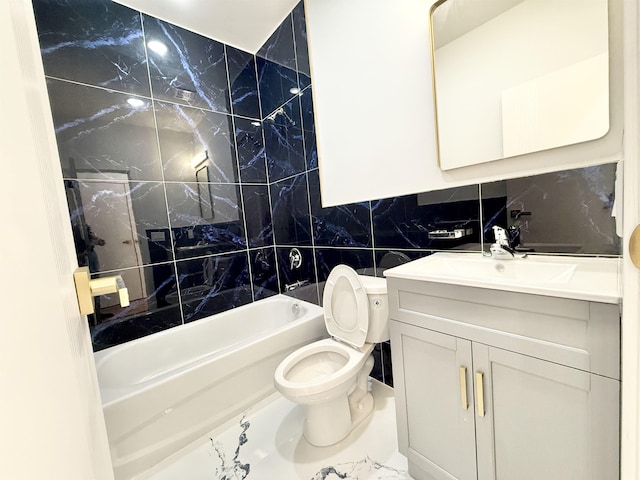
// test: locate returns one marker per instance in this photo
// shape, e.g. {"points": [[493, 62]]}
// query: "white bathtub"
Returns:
{"points": [[164, 391]]}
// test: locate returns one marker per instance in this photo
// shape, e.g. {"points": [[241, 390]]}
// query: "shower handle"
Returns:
{"points": [[295, 259]]}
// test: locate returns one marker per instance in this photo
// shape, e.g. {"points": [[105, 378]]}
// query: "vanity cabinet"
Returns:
{"points": [[502, 385]]}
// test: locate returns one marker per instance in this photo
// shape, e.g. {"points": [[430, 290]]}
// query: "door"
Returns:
{"points": [[543, 420], [435, 402], [117, 229]]}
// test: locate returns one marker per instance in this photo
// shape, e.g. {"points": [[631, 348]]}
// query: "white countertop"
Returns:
{"points": [[595, 279]]}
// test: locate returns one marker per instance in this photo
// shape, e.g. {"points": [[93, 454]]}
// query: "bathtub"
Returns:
{"points": [[164, 391]]}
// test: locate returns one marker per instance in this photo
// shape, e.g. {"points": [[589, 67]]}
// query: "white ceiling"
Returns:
{"points": [[244, 24]]}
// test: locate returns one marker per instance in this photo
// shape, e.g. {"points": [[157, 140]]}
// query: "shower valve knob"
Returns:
{"points": [[295, 259]]}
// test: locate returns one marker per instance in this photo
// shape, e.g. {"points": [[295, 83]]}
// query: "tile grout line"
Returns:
{"points": [[170, 182], [373, 239], [267, 176], [164, 185], [151, 98], [481, 221], [306, 160], [241, 190]]}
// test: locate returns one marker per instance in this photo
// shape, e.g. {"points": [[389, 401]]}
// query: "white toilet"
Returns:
{"points": [[331, 376]]}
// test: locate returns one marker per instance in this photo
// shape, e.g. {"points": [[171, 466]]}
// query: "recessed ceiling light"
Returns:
{"points": [[135, 102], [294, 90], [255, 123], [157, 46]]}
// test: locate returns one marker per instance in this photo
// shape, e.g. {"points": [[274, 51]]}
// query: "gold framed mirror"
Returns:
{"points": [[514, 77]]}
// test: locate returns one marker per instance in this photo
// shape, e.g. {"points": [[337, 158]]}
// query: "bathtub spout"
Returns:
{"points": [[292, 286]]}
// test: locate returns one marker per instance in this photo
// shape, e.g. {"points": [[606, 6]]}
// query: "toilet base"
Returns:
{"points": [[329, 422], [361, 411]]}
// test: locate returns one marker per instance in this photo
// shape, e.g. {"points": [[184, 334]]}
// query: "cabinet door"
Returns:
{"points": [[543, 420], [434, 395]]}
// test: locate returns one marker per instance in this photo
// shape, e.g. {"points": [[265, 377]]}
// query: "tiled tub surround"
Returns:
{"points": [[193, 240]]}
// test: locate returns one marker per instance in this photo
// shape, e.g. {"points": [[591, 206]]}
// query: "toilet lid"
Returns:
{"points": [[346, 311]]}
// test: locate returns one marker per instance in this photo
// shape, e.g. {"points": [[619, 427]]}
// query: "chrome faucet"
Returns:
{"points": [[502, 249]]}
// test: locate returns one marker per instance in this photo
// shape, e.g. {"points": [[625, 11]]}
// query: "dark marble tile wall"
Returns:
{"points": [[567, 212], [160, 135], [210, 234]]}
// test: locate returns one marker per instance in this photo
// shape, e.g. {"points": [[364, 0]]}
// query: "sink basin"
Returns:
{"points": [[487, 269], [584, 278]]}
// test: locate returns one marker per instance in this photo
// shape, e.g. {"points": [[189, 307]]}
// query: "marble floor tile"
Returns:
{"points": [[266, 442]]}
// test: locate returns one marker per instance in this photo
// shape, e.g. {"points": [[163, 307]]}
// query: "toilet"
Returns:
{"points": [[330, 377]]}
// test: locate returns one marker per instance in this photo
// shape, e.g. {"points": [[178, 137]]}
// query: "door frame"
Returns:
{"points": [[630, 416]]}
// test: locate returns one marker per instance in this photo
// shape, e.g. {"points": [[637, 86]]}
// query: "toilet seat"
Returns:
{"points": [[346, 309]]}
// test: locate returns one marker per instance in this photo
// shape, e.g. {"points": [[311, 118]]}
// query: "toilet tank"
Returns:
{"points": [[376, 289]]}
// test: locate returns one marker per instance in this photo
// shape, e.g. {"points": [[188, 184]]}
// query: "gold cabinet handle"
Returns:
{"points": [[463, 388], [480, 393]]}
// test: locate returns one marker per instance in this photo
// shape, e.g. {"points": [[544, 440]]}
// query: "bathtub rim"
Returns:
{"points": [[118, 394]]}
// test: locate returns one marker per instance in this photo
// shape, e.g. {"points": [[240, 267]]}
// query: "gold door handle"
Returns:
{"points": [[463, 388], [480, 393], [634, 246], [86, 289]]}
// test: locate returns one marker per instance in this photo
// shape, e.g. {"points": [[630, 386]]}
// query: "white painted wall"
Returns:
{"points": [[372, 87], [51, 423], [373, 104]]}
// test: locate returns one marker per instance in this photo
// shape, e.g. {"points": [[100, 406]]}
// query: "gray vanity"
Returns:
{"points": [[507, 369]]}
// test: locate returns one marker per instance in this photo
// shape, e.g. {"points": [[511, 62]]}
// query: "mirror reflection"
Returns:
{"points": [[518, 76]]}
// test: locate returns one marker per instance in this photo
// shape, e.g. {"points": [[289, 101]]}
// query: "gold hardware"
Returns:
{"points": [[634, 246], [480, 393], [86, 289], [463, 388], [433, 79], [82, 280]]}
